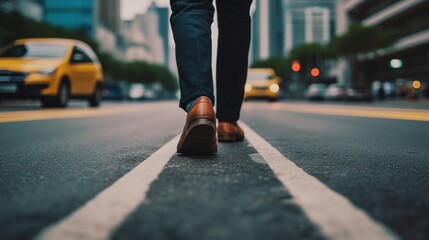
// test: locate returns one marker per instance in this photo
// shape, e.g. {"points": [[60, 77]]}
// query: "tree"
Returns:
{"points": [[281, 65], [356, 44], [359, 39]]}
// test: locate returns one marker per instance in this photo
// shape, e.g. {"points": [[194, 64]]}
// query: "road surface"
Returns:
{"points": [[305, 171]]}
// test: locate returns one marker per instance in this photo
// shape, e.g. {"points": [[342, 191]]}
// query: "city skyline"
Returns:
{"points": [[130, 8]]}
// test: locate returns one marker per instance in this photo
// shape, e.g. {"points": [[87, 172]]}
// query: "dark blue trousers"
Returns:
{"points": [[191, 23]]}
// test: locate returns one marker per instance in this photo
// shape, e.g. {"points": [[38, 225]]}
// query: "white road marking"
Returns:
{"points": [[336, 216], [99, 217]]}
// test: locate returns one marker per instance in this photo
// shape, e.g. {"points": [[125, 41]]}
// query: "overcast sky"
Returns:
{"points": [[129, 8]]}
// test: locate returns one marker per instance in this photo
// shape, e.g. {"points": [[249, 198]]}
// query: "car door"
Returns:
{"points": [[82, 72]]}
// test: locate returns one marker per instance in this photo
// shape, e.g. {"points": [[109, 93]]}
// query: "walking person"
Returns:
{"points": [[191, 24]]}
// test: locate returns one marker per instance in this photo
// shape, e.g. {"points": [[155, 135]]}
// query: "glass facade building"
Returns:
{"points": [[76, 14], [308, 21]]}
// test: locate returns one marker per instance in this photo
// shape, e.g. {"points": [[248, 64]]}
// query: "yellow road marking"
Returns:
{"points": [[370, 112], [22, 116], [353, 111]]}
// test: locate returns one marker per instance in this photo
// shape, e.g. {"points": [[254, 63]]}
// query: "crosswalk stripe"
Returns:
{"points": [[335, 215], [98, 218]]}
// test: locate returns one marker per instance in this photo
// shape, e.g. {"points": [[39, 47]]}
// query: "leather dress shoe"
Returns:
{"points": [[229, 132], [199, 134]]}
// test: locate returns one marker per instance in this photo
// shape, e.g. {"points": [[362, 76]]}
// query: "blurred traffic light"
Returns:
{"points": [[296, 66], [315, 72]]}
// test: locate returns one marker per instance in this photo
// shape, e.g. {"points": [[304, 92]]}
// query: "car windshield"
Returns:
{"points": [[259, 76], [35, 50]]}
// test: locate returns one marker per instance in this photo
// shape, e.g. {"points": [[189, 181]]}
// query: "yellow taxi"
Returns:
{"points": [[262, 83], [52, 70]]}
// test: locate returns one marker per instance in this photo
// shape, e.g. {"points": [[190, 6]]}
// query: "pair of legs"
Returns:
{"points": [[191, 24]]}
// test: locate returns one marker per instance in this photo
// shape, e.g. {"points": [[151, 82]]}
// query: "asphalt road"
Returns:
{"points": [[52, 162]]}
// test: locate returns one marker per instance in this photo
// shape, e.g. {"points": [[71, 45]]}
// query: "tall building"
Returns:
{"points": [[408, 59], [29, 8], [108, 21], [150, 25], [267, 29], [276, 28], [99, 19], [77, 15], [135, 46], [163, 29], [308, 21], [109, 14], [280, 25]]}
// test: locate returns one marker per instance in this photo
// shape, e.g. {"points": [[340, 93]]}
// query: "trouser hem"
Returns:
{"points": [[193, 95]]}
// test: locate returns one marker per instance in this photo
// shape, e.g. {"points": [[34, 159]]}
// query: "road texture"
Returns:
{"points": [[55, 164]]}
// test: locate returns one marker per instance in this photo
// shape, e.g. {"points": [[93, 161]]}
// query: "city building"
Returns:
{"points": [[29, 8], [108, 22], [99, 19], [308, 21], [280, 25], [78, 15], [109, 14], [164, 29], [150, 25], [408, 59], [267, 29], [134, 45]]}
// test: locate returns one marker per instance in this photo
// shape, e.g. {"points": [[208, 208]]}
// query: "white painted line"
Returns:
{"points": [[99, 217], [336, 216]]}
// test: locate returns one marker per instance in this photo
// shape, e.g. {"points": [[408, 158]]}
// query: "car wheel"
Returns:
{"points": [[272, 99], [61, 99], [95, 99]]}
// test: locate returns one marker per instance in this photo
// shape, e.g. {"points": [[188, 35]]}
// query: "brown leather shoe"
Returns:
{"points": [[199, 133], [229, 132]]}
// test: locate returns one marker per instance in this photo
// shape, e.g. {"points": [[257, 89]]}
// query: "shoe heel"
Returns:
{"points": [[199, 138]]}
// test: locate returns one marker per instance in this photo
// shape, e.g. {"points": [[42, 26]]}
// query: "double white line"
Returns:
{"points": [[335, 216]]}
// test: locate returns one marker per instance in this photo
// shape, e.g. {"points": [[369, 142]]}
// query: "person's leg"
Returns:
{"points": [[232, 60], [191, 24]]}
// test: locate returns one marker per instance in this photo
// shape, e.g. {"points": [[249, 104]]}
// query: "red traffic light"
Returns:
{"points": [[296, 66], [315, 72]]}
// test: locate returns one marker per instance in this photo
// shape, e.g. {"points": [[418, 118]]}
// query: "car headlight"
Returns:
{"points": [[47, 72], [247, 87], [274, 88]]}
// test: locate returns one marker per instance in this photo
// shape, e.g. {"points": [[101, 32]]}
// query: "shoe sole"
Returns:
{"points": [[229, 138], [198, 139]]}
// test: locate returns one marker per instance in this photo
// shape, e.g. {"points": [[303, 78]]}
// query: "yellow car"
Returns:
{"points": [[262, 83], [52, 70]]}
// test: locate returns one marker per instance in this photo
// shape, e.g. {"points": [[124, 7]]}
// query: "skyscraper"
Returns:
{"points": [[99, 19], [163, 26], [267, 29], [150, 22], [29, 8], [308, 21], [109, 14], [77, 15]]}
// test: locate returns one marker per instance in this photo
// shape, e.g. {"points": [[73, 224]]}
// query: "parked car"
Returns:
{"points": [[262, 83], [115, 90], [359, 94], [52, 70], [137, 91], [315, 91], [335, 92]]}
